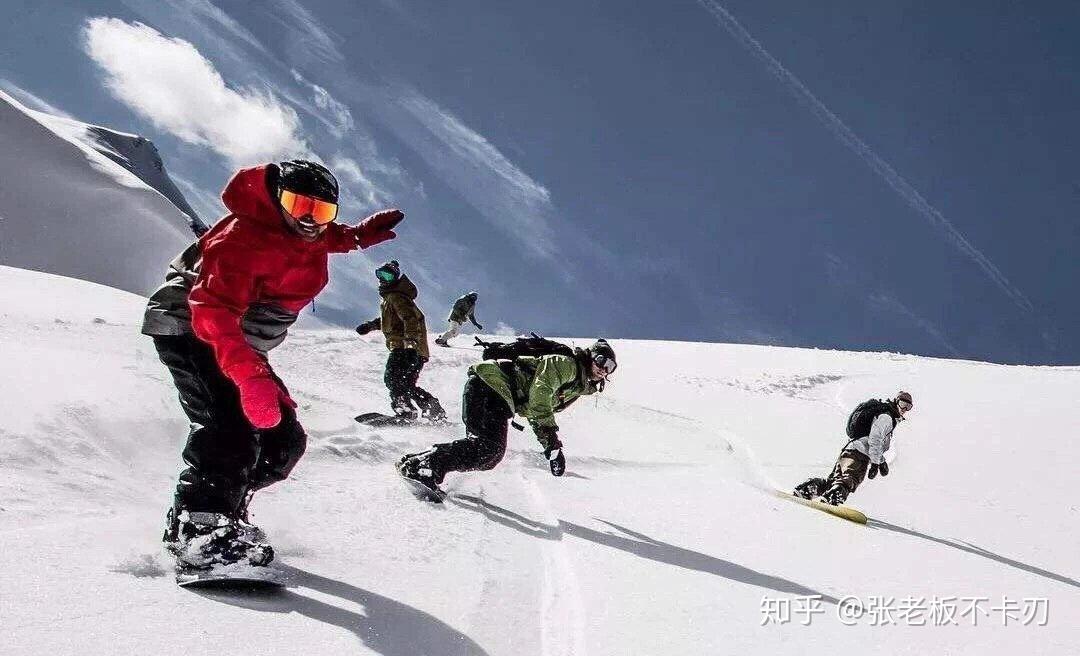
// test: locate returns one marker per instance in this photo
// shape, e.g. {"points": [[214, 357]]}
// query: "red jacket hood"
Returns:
{"points": [[247, 195]]}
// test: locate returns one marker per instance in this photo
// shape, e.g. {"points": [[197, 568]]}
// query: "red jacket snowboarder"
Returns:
{"points": [[227, 301]]}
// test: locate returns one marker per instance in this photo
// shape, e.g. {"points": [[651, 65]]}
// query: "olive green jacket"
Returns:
{"points": [[464, 309], [402, 322], [537, 388]]}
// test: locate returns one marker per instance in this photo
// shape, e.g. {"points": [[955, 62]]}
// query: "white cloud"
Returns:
{"points": [[316, 39], [369, 195], [333, 114], [171, 84], [31, 100]]}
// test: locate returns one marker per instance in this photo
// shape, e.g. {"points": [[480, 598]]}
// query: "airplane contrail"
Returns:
{"points": [[860, 148]]}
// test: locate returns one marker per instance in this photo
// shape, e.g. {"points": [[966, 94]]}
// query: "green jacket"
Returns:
{"points": [[402, 322], [537, 388]]}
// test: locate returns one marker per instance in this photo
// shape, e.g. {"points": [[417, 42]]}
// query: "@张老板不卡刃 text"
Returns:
{"points": [[908, 611]]}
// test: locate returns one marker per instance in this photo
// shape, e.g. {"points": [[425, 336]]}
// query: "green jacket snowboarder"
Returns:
{"points": [[533, 387]]}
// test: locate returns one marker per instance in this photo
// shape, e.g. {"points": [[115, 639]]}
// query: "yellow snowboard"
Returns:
{"points": [[843, 512]]}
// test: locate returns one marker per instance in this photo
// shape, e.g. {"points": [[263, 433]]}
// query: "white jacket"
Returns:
{"points": [[878, 441]]}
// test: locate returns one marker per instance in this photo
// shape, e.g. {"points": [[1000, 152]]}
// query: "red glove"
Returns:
{"points": [[377, 228], [261, 398]]}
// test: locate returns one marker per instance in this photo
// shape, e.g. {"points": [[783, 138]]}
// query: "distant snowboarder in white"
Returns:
{"points": [[463, 310], [869, 428]]}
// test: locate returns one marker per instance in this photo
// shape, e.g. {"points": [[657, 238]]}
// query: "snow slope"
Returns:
{"points": [[84, 201], [661, 539]]}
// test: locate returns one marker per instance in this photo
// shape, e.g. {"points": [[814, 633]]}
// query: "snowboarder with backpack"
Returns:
{"points": [[402, 324], [534, 386], [229, 299], [463, 310], [869, 429]]}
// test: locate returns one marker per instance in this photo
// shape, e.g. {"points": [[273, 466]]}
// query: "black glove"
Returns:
{"points": [[368, 326], [873, 472], [883, 468], [556, 460]]}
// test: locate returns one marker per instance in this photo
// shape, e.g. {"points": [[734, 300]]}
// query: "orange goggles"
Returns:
{"points": [[299, 206]]}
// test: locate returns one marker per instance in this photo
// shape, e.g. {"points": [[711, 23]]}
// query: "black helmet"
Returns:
{"points": [[603, 355], [308, 178]]}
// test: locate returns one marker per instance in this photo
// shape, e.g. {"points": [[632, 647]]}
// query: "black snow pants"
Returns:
{"points": [[226, 456], [403, 368], [486, 416]]}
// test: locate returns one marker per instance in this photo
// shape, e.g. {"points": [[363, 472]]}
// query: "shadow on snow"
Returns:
{"points": [[638, 545], [978, 551], [386, 626]]}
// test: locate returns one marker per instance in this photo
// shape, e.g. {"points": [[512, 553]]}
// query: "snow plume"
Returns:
{"points": [[31, 100], [169, 82], [860, 148]]}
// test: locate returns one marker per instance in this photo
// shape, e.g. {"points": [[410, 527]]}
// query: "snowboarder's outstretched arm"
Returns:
{"points": [[374, 229], [883, 423], [472, 318], [369, 326]]}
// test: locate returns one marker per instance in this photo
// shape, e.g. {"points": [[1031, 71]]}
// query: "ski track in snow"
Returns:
{"points": [[562, 611]]}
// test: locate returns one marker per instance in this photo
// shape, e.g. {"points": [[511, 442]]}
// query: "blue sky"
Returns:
{"points": [[867, 175]]}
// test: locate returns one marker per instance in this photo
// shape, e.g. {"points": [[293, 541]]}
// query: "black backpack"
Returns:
{"points": [[534, 346], [862, 417]]}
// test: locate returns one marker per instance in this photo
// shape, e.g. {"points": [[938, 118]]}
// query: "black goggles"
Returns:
{"points": [[605, 363]]}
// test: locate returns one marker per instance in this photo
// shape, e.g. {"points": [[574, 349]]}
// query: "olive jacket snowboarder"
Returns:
{"points": [[538, 387], [402, 322], [464, 309]]}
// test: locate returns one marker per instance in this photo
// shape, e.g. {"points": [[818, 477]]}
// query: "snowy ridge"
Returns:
{"points": [[85, 201], [660, 539]]}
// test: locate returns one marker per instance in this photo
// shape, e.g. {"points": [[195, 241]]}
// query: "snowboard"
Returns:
{"points": [[843, 512], [380, 419], [237, 576], [422, 492]]}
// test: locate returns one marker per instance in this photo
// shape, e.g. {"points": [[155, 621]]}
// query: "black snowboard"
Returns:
{"points": [[235, 577], [379, 419], [423, 492]]}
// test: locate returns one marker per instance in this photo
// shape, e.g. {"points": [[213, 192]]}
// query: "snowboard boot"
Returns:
{"points": [[403, 408], [420, 468], [442, 342], [433, 411], [835, 495], [811, 489], [248, 529], [207, 539]]}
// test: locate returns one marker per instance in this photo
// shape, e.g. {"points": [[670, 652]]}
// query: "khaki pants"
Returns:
{"points": [[850, 470], [453, 331]]}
